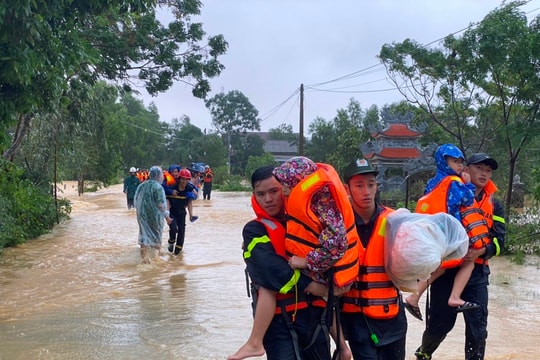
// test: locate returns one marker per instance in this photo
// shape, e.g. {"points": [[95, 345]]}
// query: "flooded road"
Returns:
{"points": [[81, 292]]}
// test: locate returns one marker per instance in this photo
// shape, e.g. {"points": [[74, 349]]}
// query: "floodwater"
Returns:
{"points": [[81, 293]]}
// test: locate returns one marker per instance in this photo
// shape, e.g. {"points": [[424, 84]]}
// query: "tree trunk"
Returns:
{"points": [[23, 124]]}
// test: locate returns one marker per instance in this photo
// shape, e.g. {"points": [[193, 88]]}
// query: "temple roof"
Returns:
{"points": [[396, 153], [397, 130]]}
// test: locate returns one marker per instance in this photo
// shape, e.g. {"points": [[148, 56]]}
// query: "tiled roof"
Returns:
{"points": [[396, 153], [280, 147], [397, 130]]}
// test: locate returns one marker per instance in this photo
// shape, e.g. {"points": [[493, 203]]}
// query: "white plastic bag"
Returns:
{"points": [[416, 244]]}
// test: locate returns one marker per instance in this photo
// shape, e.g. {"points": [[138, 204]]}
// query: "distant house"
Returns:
{"points": [[281, 149]]}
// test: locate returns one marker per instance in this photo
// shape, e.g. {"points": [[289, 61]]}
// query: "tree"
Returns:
{"points": [[232, 113], [47, 47], [213, 149], [146, 136], [322, 140], [480, 88], [282, 132], [338, 141], [181, 146], [243, 146], [254, 162]]}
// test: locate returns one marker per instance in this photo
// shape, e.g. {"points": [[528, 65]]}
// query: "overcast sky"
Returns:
{"points": [[276, 45]]}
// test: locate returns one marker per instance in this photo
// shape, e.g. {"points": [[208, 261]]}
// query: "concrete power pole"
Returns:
{"points": [[301, 125]]}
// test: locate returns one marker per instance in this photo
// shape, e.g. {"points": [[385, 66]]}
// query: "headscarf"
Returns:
{"points": [[294, 170], [443, 169]]}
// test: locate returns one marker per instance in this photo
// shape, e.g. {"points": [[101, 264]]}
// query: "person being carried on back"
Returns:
{"points": [[452, 192], [321, 239], [182, 195]]}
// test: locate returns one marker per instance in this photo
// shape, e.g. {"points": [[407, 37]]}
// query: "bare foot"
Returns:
{"points": [[247, 351], [345, 353], [144, 255], [456, 302], [413, 300]]}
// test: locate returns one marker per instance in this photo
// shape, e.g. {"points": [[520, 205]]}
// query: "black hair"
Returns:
{"points": [[261, 173]]}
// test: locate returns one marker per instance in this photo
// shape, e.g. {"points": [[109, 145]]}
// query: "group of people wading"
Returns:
{"points": [[163, 196], [315, 255]]}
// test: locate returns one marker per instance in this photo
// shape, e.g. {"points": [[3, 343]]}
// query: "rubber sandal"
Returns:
{"points": [[467, 306], [414, 311]]}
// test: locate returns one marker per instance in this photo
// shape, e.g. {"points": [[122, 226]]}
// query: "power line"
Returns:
{"points": [[363, 71], [366, 71], [276, 108]]}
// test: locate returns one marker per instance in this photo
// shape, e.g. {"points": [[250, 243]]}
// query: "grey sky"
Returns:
{"points": [[276, 45]]}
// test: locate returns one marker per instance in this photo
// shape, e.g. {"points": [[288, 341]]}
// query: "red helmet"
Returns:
{"points": [[184, 173]]}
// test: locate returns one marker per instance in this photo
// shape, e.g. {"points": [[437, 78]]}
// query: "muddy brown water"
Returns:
{"points": [[81, 293]]}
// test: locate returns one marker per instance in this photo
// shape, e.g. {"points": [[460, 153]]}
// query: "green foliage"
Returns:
{"points": [[255, 162], [83, 139], [523, 236], [234, 183], [282, 132], [221, 174], [480, 89], [49, 46], [244, 146], [337, 142], [232, 114], [213, 150], [145, 136], [185, 140], [26, 210]]}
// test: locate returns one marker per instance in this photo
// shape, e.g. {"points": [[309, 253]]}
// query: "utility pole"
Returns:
{"points": [[301, 125]]}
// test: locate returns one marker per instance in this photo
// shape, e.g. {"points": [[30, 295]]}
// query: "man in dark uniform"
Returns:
{"points": [[373, 316], [295, 332], [441, 317]]}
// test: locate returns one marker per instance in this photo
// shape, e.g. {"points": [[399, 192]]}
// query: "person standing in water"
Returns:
{"points": [[184, 194], [292, 329], [372, 313], [442, 316], [208, 177], [151, 206], [130, 186]]}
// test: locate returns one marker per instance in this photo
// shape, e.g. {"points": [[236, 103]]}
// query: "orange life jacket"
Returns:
{"points": [[436, 201], [276, 233], [208, 176], [373, 294], [169, 179], [303, 226], [473, 217]]}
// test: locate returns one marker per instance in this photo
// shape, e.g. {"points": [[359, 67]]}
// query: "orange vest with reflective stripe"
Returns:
{"points": [[374, 294], [276, 234], [436, 201], [472, 217], [303, 226]]}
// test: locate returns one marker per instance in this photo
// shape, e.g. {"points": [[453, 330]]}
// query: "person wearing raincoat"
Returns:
{"points": [[151, 206], [130, 186]]}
